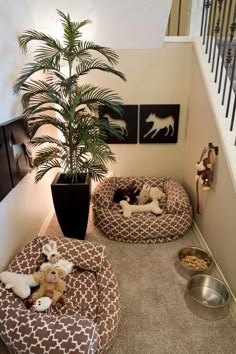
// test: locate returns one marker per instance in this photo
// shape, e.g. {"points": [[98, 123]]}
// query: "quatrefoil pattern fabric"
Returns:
{"points": [[143, 227], [87, 323]]}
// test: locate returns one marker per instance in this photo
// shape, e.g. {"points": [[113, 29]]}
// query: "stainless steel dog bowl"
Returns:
{"points": [[207, 297], [186, 271]]}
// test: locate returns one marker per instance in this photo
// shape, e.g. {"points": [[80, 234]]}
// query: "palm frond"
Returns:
{"points": [[96, 170], [45, 168], [45, 52], [87, 65], [46, 154], [33, 35], [30, 69], [84, 47], [88, 94], [38, 93], [34, 111], [72, 32], [45, 139], [39, 121]]}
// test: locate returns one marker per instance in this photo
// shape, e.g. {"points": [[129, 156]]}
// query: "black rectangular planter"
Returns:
{"points": [[71, 203]]}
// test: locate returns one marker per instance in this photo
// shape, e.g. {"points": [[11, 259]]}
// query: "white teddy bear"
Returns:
{"points": [[149, 193], [150, 207]]}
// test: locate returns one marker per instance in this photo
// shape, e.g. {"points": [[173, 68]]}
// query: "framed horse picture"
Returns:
{"points": [[127, 122], [159, 123], [18, 151]]}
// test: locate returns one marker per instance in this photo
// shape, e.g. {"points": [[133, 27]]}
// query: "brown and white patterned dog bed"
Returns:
{"points": [[87, 322], [144, 227]]}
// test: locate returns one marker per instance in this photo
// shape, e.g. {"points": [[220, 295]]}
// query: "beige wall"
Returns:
{"points": [[154, 76], [217, 222], [24, 210]]}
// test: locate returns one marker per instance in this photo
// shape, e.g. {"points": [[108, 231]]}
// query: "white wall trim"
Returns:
{"points": [[178, 39], [216, 271], [46, 222]]}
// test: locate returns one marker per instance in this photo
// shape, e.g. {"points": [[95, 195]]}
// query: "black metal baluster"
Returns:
{"points": [[168, 26], [221, 35], [231, 87], [207, 5], [233, 115], [233, 28], [217, 30], [179, 17], [209, 27], [212, 31], [225, 41], [203, 13], [229, 52]]}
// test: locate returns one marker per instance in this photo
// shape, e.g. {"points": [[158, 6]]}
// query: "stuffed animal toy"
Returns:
{"points": [[204, 174], [42, 304], [130, 194], [149, 193], [204, 168], [150, 207], [50, 284], [19, 283], [54, 258]]}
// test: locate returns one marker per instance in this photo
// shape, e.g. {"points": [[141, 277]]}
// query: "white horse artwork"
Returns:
{"points": [[160, 123], [18, 151], [119, 122]]}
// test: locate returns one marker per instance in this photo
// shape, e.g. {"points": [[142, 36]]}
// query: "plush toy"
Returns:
{"points": [[50, 284], [42, 304], [19, 283], [204, 174], [150, 207], [149, 193], [54, 258], [130, 194], [204, 167]]}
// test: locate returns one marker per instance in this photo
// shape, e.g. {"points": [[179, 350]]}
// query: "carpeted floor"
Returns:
{"points": [[155, 318]]}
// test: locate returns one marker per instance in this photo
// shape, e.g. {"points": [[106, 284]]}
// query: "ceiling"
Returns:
{"points": [[126, 24]]}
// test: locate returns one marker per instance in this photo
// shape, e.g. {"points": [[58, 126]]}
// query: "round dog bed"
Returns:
{"points": [[143, 227], [87, 322]]}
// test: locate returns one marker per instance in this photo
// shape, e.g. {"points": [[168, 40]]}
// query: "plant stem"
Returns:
{"points": [[71, 117]]}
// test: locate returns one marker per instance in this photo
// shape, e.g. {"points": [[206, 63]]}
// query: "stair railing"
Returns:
{"points": [[218, 29]]}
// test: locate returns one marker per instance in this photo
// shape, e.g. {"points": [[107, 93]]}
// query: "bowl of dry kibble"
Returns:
{"points": [[193, 260]]}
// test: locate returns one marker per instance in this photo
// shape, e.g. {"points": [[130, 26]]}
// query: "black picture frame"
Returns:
{"points": [[165, 117], [128, 122], [18, 151]]}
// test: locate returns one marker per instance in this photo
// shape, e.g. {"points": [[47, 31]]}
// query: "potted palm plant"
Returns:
{"points": [[62, 100]]}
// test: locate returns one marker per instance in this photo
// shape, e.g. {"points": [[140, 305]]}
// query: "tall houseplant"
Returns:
{"points": [[71, 106]]}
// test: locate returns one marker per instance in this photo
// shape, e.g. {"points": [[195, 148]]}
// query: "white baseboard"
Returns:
{"points": [[216, 271], [46, 222]]}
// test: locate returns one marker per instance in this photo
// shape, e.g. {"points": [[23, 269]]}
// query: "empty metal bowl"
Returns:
{"points": [[186, 271], [207, 297]]}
